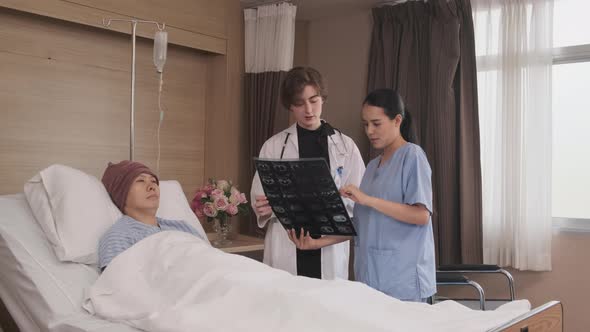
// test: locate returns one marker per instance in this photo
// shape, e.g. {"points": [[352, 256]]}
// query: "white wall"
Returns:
{"points": [[567, 282]]}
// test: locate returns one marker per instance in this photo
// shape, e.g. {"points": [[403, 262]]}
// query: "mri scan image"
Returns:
{"points": [[302, 193]]}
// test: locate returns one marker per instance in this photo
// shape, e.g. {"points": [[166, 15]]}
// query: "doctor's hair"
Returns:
{"points": [[296, 80], [393, 104]]}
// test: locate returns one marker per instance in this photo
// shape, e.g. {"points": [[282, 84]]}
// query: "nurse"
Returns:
{"points": [[303, 94], [394, 249]]}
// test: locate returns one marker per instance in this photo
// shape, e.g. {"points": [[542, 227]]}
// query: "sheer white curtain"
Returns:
{"points": [[269, 44], [514, 57], [269, 37]]}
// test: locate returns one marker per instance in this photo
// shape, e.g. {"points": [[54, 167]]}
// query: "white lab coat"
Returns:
{"points": [[279, 251]]}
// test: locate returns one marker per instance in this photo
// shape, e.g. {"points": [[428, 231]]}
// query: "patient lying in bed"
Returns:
{"points": [[134, 189], [159, 280], [174, 281]]}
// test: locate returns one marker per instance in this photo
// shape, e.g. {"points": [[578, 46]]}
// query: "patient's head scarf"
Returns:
{"points": [[117, 179]]}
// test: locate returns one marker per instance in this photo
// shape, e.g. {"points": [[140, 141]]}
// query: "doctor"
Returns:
{"points": [[303, 93]]}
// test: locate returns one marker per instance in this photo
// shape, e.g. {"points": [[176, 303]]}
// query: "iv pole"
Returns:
{"points": [[134, 22]]}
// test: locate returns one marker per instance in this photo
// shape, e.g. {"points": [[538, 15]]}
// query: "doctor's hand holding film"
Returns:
{"points": [[263, 209], [304, 241]]}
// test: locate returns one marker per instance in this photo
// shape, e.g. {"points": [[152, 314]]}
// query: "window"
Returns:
{"points": [[570, 23], [571, 114], [571, 140]]}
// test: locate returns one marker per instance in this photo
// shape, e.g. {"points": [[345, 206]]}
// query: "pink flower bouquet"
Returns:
{"points": [[219, 200]]}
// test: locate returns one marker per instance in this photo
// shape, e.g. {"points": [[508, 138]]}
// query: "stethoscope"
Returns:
{"points": [[340, 168], [285, 145], [332, 139]]}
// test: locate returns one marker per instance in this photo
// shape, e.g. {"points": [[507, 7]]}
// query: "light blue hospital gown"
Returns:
{"points": [[127, 231], [391, 256]]}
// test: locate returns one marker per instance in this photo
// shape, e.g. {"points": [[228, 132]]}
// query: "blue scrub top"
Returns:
{"points": [[391, 256]]}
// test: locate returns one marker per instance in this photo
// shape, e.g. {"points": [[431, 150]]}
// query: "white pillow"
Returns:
{"points": [[73, 209], [174, 206]]}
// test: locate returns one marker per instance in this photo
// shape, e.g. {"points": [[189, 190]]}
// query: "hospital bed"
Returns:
{"points": [[43, 294], [40, 292]]}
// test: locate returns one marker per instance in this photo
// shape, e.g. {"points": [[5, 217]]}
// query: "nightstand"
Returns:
{"points": [[240, 243]]}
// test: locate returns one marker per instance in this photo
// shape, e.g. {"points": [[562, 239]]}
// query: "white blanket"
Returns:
{"points": [[172, 281]]}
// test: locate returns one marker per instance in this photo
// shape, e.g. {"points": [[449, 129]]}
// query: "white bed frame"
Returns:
{"points": [[545, 318]]}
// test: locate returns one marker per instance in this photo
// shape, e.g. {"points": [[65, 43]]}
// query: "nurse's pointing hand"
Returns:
{"points": [[263, 209], [354, 193]]}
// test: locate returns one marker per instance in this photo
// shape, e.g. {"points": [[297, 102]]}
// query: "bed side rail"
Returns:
{"points": [[545, 318]]}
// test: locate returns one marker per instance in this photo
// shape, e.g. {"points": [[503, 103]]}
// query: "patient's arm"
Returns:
{"points": [[306, 242]]}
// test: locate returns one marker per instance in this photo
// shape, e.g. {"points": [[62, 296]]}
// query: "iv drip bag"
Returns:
{"points": [[160, 47]]}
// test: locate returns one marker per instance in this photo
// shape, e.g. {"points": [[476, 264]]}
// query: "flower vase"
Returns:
{"points": [[222, 227]]}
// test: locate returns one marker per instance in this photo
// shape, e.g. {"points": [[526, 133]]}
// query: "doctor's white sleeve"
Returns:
{"points": [[257, 189]]}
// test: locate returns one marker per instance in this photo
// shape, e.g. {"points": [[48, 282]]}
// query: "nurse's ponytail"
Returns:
{"points": [[407, 129], [392, 104]]}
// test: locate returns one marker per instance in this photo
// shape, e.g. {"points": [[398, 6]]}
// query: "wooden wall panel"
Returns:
{"points": [[226, 145], [203, 16], [65, 92], [90, 16]]}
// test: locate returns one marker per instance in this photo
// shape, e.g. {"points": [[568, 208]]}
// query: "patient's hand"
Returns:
{"points": [[263, 209], [305, 241]]}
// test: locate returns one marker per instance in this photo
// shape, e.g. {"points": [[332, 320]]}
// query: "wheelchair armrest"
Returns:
{"points": [[450, 277], [468, 267]]}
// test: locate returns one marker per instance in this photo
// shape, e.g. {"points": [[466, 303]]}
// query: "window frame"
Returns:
{"points": [[567, 55], [561, 55]]}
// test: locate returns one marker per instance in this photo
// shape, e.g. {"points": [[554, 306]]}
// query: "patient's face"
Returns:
{"points": [[144, 194], [307, 108]]}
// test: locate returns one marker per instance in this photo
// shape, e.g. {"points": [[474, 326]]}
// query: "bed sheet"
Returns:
{"points": [[173, 281]]}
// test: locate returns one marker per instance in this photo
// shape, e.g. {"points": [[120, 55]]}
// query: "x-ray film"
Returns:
{"points": [[302, 194]]}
